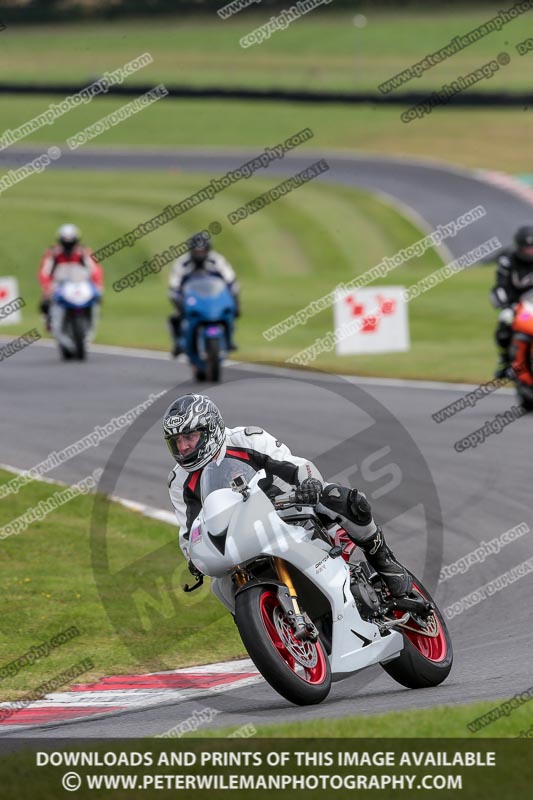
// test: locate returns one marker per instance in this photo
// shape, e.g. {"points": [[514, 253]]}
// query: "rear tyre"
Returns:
{"points": [[299, 671], [424, 661], [212, 349]]}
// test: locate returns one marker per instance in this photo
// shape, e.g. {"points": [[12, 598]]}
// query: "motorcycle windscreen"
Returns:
{"points": [[221, 476], [206, 286], [77, 293]]}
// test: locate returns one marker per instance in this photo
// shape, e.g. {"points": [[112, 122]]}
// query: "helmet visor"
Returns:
{"points": [[199, 255], [185, 447], [526, 251]]}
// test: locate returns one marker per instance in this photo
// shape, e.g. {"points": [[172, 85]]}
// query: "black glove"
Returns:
{"points": [[195, 572], [308, 492]]}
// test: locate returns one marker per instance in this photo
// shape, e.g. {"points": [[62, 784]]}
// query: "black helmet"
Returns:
{"points": [[190, 414], [199, 247], [523, 240]]}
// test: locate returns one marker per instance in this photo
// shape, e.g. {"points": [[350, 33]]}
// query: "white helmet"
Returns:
{"points": [[68, 235], [189, 414]]}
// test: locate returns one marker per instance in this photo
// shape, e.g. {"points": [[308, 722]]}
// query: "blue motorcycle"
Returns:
{"points": [[208, 320], [73, 316]]}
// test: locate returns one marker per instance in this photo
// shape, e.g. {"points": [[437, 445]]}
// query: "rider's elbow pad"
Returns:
{"points": [[498, 297], [348, 503]]}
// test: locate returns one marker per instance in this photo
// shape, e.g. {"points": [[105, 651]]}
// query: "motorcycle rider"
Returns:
{"points": [[514, 277], [60, 260], [195, 434], [199, 257]]}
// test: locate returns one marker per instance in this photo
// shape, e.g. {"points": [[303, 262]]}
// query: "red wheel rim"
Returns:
{"points": [[306, 660], [434, 648]]}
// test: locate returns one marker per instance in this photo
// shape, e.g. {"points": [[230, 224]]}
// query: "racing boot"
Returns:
{"points": [[44, 308], [357, 520], [174, 325], [503, 370], [389, 569]]}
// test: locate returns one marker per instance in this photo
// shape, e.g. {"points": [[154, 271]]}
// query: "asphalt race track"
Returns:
{"points": [[375, 434]]}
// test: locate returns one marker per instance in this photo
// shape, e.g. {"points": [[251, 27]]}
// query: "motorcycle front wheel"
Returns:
{"points": [[78, 333], [212, 347], [298, 670]]}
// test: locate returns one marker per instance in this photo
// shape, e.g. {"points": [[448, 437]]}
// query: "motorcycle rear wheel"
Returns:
{"points": [[424, 661], [299, 671]]}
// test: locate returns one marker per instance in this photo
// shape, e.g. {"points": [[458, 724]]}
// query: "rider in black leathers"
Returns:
{"points": [[514, 277]]}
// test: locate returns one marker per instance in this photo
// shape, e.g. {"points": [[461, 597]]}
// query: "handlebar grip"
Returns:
{"points": [[286, 499]]}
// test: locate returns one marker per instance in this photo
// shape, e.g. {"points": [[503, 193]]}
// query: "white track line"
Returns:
{"points": [[160, 514], [157, 355]]}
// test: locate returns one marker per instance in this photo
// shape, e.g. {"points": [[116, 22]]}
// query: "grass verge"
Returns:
{"points": [[322, 50], [51, 582], [291, 253], [452, 135], [438, 722]]}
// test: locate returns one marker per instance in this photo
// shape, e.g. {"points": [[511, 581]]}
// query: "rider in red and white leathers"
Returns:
{"points": [[59, 261], [195, 435]]}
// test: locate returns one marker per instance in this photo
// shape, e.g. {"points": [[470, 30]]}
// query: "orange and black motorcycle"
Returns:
{"points": [[522, 350]]}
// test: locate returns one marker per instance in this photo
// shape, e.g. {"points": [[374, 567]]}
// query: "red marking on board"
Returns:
{"points": [[370, 323]]}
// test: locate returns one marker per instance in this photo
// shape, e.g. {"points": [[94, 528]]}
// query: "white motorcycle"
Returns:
{"points": [[306, 611], [74, 313]]}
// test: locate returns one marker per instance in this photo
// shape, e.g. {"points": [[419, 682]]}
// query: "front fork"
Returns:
{"points": [[300, 623]]}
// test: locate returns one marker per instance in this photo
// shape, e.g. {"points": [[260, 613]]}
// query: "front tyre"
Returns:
{"points": [[525, 398], [78, 333], [212, 348], [425, 660], [65, 354], [299, 671]]}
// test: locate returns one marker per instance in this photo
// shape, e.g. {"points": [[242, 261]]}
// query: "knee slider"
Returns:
{"points": [[360, 507], [503, 334], [336, 498]]}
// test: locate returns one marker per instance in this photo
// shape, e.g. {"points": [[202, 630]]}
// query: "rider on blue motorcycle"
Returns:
{"points": [[200, 258], [195, 435]]}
